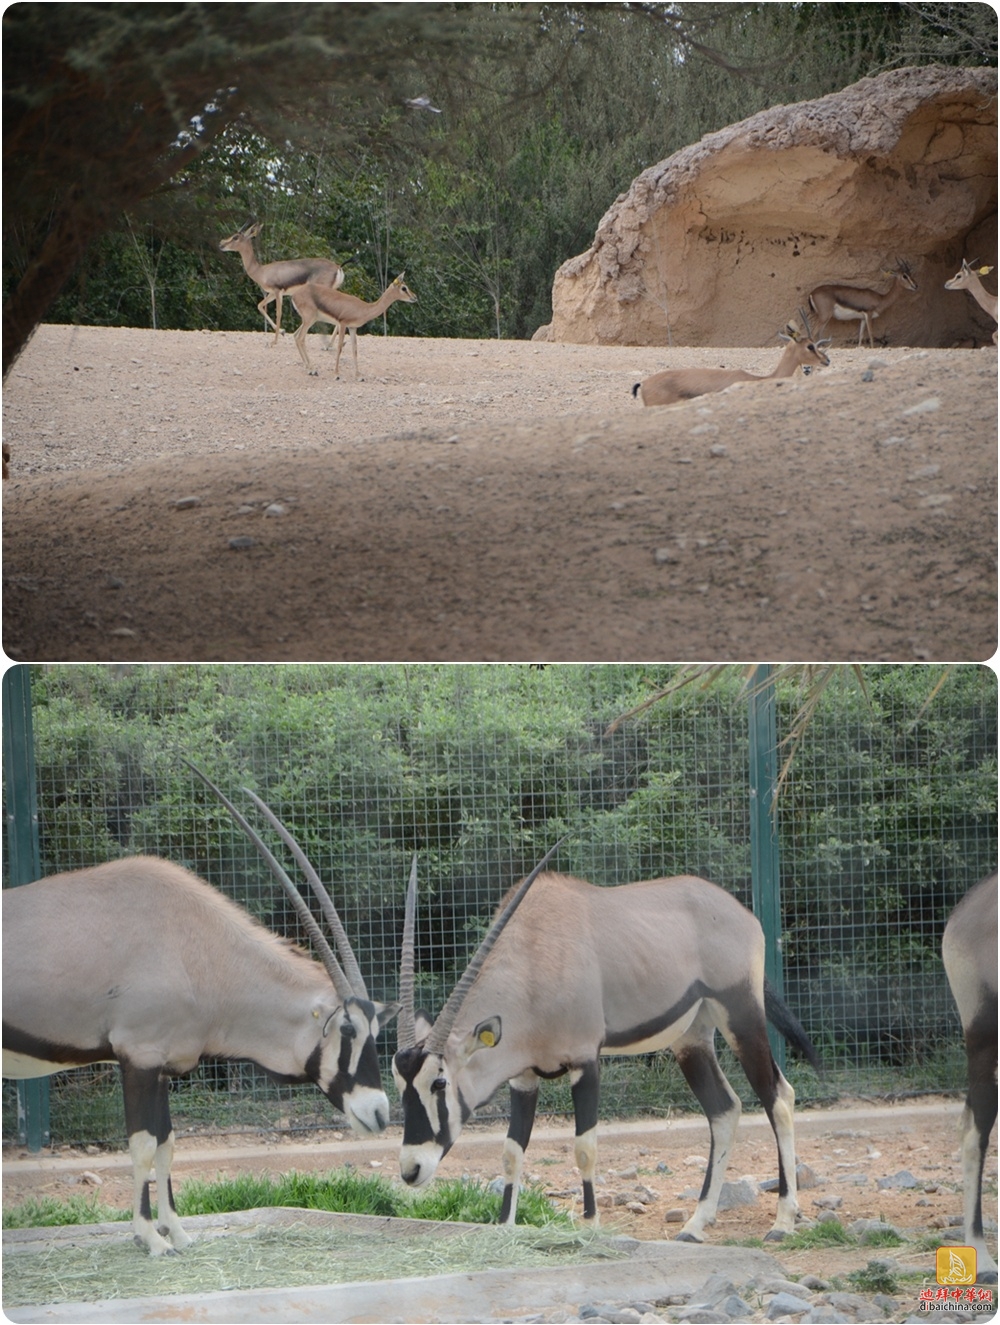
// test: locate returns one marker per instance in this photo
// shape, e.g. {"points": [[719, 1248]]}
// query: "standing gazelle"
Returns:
{"points": [[849, 303], [277, 278], [676, 384], [569, 972], [967, 278], [139, 962], [346, 311], [969, 950]]}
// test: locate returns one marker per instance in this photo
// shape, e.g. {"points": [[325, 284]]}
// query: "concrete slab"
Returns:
{"points": [[651, 1270]]}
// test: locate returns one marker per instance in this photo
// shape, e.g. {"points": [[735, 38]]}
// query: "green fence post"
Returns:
{"points": [[23, 859], [764, 863]]}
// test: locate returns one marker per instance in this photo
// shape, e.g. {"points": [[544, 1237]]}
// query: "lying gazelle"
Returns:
{"points": [[674, 384], [277, 278], [969, 949], [139, 962], [569, 972], [849, 303], [967, 278], [346, 311]]}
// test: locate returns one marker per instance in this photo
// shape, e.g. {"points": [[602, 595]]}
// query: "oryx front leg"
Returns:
{"points": [[697, 1060], [151, 1145], [523, 1099], [586, 1087]]}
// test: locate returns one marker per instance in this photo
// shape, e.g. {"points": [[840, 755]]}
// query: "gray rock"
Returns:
{"points": [[715, 1288], [814, 1283], [701, 1317], [735, 1194], [852, 1303], [786, 1304], [826, 1316], [902, 1180]]}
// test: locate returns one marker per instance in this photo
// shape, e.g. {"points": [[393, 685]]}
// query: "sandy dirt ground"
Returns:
{"points": [[648, 1171], [195, 496]]}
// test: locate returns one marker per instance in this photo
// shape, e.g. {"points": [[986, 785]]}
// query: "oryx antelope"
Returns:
{"points": [[967, 278], [969, 949], [849, 303], [675, 384], [277, 278], [140, 962], [345, 311], [569, 972]]}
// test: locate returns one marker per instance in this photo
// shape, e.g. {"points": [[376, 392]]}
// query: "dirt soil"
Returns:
{"points": [[193, 495], [647, 1172]]}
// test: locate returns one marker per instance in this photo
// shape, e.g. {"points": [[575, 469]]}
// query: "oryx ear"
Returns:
{"points": [[485, 1036], [385, 1012], [325, 1011], [422, 1024]]}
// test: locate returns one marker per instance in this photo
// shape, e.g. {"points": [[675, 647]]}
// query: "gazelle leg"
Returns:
{"points": [[340, 345], [523, 1099], [277, 316], [585, 1089], [695, 1054], [150, 1141], [354, 351]]}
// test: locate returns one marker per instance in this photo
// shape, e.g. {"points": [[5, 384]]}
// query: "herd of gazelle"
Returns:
{"points": [[313, 285], [140, 962]]}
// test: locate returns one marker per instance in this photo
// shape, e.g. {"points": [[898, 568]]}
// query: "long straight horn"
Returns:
{"points": [[406, 1027], [347, 956], [340, 980], [445, 1022]]}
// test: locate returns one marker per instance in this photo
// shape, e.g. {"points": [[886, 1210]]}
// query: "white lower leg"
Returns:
{"points": [[513, 1163], [784, 1131], [585, 1154], [723, 1129], [167, 1220], [142, 1147]]}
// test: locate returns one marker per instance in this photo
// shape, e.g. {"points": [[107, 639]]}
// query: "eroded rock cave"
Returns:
{"points": [[721, 243]]}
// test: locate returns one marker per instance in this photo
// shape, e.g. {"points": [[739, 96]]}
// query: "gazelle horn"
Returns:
{"points": [[340, 981], [445, 1022]]}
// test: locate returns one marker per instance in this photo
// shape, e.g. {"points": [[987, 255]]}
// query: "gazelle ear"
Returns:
{"points": [[399, 278], [984, 271]]}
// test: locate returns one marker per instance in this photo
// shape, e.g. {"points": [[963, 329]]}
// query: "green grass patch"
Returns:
{"points": [[47, 1212], [829, 1233], [341, 1190]]}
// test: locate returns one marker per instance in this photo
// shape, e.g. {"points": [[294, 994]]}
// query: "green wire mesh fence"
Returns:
{"points": [[886, 817]]}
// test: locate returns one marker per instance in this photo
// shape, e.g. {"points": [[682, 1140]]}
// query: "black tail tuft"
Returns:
{"points": [[635, 389], [780, 1015]]}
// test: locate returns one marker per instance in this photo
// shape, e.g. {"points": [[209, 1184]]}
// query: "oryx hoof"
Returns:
{"points": [[314, 372], [776, 1235], [688, 1237]]}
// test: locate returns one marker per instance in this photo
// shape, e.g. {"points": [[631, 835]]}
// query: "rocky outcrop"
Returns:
{"points": [[721, 242]]}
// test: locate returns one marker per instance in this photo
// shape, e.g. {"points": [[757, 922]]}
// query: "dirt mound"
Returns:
{"points": [[189, 495]]}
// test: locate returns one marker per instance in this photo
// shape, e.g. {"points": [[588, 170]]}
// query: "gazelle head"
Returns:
{"points": [[810, 352], [968, 272], [401, 290], [430, 1063], [242, 237], [903, 273], [337, 1049]]}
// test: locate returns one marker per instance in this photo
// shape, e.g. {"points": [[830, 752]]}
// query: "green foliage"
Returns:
{"points": [[48, 1212], [876, 1277]]}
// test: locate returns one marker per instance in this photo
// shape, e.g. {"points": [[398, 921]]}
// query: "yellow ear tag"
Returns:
{"points": [[985, 271], [487, 1038]]}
